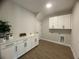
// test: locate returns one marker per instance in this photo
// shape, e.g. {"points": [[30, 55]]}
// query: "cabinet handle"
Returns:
{"points": [[9, 45], [25, 44], [16, 48], [35, 40], [63, 27]]}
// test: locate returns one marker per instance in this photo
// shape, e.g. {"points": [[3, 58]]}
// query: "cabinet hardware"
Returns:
{"points": [[25, 44], [35, 40], [16, 48], [63, 26], [9, 45]]}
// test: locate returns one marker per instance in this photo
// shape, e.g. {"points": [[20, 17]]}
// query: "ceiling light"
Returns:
{"points": [[49, 5]]}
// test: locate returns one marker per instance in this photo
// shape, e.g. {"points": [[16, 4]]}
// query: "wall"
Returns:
{"points": [[75, 31], [54, 35], [22, 20]]}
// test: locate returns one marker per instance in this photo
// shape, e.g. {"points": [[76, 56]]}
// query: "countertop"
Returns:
{"points": [[15, 40]]}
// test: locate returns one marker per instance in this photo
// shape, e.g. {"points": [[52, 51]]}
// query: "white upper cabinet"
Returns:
{"points": [[60, 22]]}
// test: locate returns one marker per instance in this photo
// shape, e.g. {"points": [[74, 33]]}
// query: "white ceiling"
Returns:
{"points": [[38, 6]]}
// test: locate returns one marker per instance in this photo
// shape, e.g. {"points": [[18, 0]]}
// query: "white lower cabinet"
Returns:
{"points": [[32, 39], [28, 41], [8, 51], [17, 49], [26, 45], [36, 41]]}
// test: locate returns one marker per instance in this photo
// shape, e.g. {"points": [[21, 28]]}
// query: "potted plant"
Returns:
{"points": [[4, 30]]}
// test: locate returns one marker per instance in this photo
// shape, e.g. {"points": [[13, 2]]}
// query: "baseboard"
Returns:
{"points": [[56, 42], [75, 57]]}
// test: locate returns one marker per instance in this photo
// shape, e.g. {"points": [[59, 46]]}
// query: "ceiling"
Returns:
{"points": [[38, 6]]}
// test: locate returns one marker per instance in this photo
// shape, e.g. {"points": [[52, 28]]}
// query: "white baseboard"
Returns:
{"points": [[74, 53], [56, 42], [62, 44]]}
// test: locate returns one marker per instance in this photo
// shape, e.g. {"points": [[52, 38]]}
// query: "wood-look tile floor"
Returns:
{"points": [[49, 50]]}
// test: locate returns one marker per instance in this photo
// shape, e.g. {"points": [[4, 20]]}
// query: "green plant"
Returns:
{"points": [[4, 28]]}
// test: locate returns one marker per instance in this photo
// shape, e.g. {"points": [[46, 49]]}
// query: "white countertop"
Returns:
{"points": [[15, 40]]}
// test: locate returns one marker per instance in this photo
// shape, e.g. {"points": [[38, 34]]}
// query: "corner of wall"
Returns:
{"points": [[74, 54]]}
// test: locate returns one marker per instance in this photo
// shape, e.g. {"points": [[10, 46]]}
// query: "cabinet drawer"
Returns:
{"points": [[21, 41], [6, 45]]}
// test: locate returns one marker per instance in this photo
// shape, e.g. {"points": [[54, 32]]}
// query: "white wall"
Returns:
{"points": [[75, 31], [22, 20], [54, 35]]}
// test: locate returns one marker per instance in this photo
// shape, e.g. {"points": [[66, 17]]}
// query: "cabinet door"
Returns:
{"points": [[67, 22], [25, 47], [33, 42], [60, 22], [29, 44], [51, 23], [36, 41], [8, 52], [55, 22], [20, 49]]}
